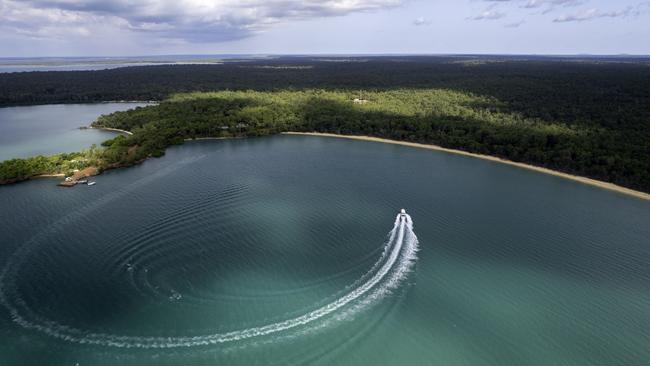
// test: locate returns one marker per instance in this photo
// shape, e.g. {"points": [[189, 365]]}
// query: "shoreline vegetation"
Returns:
{"points": [[453, 121], [576, 178], [583, 116], [59, 165], [148, 131]]}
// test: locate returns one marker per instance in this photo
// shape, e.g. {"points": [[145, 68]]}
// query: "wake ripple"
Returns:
{"points": [[396, 261]]}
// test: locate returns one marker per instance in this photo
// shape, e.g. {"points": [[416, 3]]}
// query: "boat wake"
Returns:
{"points": [[396, 261]]}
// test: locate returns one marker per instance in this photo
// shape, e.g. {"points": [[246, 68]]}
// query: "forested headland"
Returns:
{"points": [[581, 117]]}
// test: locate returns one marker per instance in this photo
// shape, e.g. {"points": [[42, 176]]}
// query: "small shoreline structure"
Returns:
{"points": [[91, 171], [78, 177], [575, 178]]}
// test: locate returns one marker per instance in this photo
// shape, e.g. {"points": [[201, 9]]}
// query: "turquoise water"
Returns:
{"points": [[278, 251], [52, 129]]}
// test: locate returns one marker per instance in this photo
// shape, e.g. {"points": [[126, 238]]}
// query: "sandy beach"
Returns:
{"points": [[584, 180], [112, 129], [576, 178], [209, 138]]}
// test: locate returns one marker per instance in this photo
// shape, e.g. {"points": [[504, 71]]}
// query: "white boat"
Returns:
{"points": [[92, 183]]}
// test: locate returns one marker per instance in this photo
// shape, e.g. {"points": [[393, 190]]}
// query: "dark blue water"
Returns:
{"points": [[199, 257]]}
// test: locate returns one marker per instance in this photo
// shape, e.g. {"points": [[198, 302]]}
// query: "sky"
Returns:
{"points": [[32, 28]]}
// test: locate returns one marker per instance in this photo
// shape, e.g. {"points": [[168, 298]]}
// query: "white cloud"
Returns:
{"points": [[489, 14], [591, 14], [552, 6], [552, 3], [187, 20], [421, 21]]}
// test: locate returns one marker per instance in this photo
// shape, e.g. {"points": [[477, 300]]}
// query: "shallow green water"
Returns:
{"points": [[200, 257], [52, 129]]}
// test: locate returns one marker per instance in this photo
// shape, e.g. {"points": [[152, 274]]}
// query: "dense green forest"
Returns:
{"points": [[578, 116], [16, 170], [583, 91]]}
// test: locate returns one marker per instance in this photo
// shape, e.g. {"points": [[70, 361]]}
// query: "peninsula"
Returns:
{"points": [[452, 121], [578, 116]]}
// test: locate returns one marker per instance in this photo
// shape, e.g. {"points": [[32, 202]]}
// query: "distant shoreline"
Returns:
{"points": [[39, 104], [575, 178]]}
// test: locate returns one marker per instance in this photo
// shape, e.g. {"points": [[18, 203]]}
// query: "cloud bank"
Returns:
{"points": [[494, 10], [137, 27], [591, 14], [186, 20]]}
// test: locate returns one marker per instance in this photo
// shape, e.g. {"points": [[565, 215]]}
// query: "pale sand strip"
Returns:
{"points": [[216, 138], [112, 129], [589, 181], [209, 138]]}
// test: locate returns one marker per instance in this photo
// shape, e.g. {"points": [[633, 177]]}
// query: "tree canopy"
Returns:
{"points": [[588, 117]]}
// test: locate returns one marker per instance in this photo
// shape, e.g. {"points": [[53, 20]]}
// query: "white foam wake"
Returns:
{"points": [[393, 266]]}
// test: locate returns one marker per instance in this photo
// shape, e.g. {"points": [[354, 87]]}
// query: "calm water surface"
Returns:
{"points": [[244, 252], [52, 129], [68, 67], [18, 64]]}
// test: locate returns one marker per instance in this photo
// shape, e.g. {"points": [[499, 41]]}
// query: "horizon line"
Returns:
{"points": [[339, 55]]}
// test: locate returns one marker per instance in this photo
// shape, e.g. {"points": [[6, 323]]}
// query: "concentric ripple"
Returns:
{"points": [[397, 258]]}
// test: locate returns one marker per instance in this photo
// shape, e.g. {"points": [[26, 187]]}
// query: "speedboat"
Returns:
{"points": [[402, 213], [92, 183]]}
